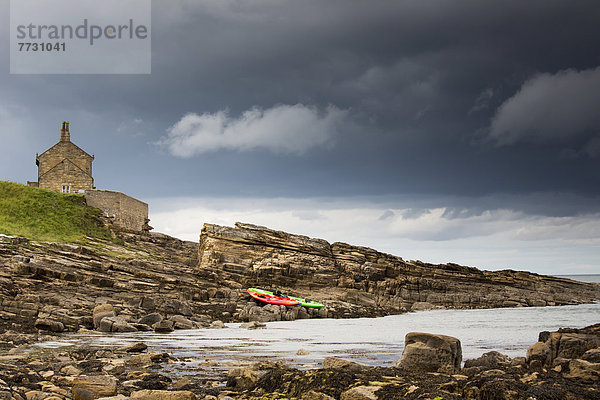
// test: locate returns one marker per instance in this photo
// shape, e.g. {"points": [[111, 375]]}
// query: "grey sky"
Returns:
{"points": [[400, 106]]}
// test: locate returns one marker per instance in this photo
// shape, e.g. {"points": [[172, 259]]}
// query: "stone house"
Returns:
{"points": [[66, 168]]}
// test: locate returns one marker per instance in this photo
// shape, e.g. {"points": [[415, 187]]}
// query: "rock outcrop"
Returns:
{"points": [[49, 325], [561, 347], [431, 353], [123, 285], [355, 280], [152, 281]]}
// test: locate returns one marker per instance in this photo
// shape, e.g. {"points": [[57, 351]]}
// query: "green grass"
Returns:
{"points": [[43, 215]]}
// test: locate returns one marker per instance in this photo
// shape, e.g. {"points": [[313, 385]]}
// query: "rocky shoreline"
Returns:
{"points": [[563, 365], [153, 282], [358, 281], [56, 286]]}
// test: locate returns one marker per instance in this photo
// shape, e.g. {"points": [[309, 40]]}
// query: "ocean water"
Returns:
{"points": [[582, 277], [373, 341]]}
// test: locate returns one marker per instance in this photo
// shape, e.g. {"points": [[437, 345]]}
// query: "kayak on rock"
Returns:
{"points": [[308, 303], [279, 298], [270, 298]]}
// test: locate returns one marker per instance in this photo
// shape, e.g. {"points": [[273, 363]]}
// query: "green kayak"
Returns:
{"points": [[303, 302], [307, 303]]}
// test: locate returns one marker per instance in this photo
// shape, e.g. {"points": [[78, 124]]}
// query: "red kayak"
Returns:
{"points": [[272, 299]]}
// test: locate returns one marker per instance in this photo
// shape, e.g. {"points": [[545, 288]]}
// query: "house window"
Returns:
{"points": [[66, 189]]}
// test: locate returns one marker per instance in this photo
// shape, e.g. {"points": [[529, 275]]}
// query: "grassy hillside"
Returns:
{"points": [[40, 214]]}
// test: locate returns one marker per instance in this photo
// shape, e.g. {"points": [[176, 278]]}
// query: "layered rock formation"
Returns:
{"points": [[355, 280], [153, 281], [574, 349], [56, 286]]}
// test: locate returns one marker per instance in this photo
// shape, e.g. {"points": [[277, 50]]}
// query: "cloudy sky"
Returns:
{"points": [[445, 131]]}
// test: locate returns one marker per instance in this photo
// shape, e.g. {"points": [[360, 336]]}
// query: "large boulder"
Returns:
{"points": [[93, 387], [101, 311], [164, 326], [115, 324], [181, 322], [431, 353], [49, 325], [150, 319]]}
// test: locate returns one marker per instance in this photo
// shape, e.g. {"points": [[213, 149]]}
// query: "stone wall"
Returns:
{"points": [[374, 282], [124, 211]]}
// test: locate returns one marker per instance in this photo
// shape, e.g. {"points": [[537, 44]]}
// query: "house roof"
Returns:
{"points": [[62, 144]]}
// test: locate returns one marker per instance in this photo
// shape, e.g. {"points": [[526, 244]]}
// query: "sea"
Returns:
{"points": [[372, 341], [582, 277]]}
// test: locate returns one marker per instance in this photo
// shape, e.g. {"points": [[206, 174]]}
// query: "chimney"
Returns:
{"points": [[65, 136]]}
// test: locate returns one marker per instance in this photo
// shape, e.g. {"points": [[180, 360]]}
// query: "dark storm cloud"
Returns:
{"points": [[551, 108], [421, 82]]}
